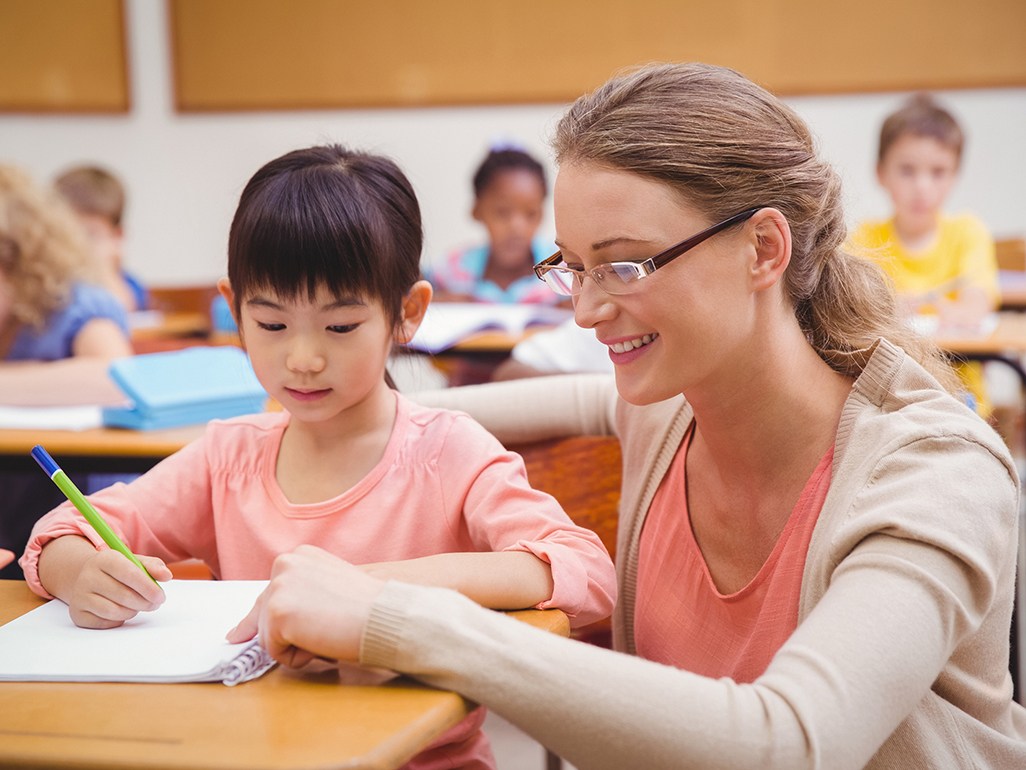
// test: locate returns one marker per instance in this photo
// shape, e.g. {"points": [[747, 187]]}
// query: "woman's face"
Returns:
{"points": [[689, 322]]}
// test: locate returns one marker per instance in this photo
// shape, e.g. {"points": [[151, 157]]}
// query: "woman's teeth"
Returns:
{"points": [[623, 347]]}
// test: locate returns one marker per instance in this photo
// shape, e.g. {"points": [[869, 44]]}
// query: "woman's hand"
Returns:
{"points": [[315, 606]]}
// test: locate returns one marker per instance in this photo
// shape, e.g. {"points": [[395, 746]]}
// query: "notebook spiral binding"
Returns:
{"points": [[248, 665]]}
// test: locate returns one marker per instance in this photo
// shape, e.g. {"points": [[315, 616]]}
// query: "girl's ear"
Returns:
{"points": [[415, 304], [772, 248], [225, 288]]}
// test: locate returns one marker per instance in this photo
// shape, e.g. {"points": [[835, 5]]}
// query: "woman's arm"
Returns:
{"points": [[863, 661], [537, 409]]}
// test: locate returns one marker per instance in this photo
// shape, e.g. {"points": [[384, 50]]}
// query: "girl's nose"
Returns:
{"points": [[303, 356]]}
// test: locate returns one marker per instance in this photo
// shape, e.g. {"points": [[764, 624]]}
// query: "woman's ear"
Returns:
{"points": [[415, 304], [772, 247]]}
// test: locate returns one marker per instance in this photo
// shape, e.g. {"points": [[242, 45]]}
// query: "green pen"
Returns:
{"points": [[60, 478]]}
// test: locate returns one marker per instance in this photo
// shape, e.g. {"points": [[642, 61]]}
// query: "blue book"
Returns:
{"points": [[184, 387]]}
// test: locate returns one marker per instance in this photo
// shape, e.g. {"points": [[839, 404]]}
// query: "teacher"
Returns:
{"points": [[817, 543]]}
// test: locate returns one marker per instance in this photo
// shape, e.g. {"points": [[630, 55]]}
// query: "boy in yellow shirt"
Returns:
{"points": [[942, 266]]}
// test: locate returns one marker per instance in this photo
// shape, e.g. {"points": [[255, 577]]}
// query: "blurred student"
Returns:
{"points": [[58, 333], [941, 265], [509, 200], [58, 329], [98, 198]]}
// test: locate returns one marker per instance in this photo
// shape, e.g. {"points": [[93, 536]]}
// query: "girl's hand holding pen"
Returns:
{"points": [[315, 606], [110, 589], [102, 588]]}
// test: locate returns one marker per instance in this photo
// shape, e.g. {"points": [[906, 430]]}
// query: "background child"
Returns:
{"points": [[58, 333], [509, 200], [323, 268], [940, 265], [98, 198]]}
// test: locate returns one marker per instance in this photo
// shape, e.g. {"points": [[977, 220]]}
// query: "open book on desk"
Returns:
{"points": [[182, 641], [448, 323]]}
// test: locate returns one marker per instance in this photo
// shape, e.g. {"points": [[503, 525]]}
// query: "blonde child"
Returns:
{"points": [[323, 277], [509, 200], [98, 198], [941, 266], [58, 329]]}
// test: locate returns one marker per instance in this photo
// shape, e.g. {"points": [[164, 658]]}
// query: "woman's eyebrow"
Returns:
{"points": [[599, 245]]}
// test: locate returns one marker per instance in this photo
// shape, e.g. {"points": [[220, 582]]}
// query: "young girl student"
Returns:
{"points": [[323, 277], [509, 200]]}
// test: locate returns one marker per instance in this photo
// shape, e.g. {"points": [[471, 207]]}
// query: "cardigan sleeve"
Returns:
{"points": [[536, 408]]}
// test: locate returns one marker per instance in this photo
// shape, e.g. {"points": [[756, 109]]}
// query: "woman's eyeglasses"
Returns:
{"points": [[623, 277]]}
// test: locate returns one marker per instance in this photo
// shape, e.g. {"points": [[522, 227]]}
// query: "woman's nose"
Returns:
{"points": [[592, 305]]}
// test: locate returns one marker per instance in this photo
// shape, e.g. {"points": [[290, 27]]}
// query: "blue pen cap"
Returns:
{"points": [[46, 462]]}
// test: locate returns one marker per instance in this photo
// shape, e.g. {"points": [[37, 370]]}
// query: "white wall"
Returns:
{"points": [[184, 172]]}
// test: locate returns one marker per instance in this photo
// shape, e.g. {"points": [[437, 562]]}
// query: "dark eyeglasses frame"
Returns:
{"points": [[648, 266]]}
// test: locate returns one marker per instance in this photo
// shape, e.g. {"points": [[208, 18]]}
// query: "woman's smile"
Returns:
{"points": [[627, 350]]}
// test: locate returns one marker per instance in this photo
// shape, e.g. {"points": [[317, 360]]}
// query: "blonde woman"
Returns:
{"points": [[817, 543], [58, 331]]}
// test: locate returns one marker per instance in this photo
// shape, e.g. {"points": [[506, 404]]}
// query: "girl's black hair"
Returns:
{"points": [[327, 216], [498, 161]]}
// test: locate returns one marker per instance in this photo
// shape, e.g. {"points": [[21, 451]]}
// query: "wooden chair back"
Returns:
{"points": [[583, 473], [1011, 254]]}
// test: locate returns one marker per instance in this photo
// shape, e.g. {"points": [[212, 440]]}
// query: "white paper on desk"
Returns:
{"points": [[446, 323], [51, 417], [182, 641]]}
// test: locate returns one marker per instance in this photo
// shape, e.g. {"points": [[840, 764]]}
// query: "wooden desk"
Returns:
{"points": [[113, 450], [281, 720], [1008, 337]]}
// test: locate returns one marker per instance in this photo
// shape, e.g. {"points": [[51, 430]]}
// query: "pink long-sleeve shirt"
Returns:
{"points": [[443, 485]]}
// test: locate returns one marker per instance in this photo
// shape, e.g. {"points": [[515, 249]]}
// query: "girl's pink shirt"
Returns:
{"points": [[443, 485], [683, 621]]}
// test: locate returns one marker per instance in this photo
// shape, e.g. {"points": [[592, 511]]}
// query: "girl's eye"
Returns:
{"points": [[343, 329], [271, 327]]}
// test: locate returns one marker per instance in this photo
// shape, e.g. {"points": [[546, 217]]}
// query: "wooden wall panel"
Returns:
{"points": [[266, 54], [63, 56]]}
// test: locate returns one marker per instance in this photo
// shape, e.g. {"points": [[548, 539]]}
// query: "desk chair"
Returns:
{"points": [[583, 474], [1011, 254]]}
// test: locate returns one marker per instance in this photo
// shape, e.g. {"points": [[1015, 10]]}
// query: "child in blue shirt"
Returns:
{"points": [[509, 199]]}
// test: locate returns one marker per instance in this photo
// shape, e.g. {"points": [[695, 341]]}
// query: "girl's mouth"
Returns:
{"points": [[308, 395]]}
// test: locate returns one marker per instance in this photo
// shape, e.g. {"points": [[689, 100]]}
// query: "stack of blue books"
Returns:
{"points": [[184, 387]]}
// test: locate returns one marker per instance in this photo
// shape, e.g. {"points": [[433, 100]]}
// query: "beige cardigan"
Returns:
{"points": [[903, 662]]}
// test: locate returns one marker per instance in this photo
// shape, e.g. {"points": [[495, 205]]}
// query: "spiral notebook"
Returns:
{"points": [[182, 641]]}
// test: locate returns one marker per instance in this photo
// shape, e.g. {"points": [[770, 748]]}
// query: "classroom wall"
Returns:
{"points": [[184, 172]]}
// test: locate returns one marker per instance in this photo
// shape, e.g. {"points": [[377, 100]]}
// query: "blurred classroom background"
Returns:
{"points": [[184, 99]]}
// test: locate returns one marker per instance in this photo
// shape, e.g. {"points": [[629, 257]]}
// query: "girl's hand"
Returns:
{"points": [[315, 606], [6, 557], [110, 589]]}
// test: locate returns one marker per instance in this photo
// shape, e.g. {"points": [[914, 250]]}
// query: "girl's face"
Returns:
{"points": [[918, 173], [320, 359], [511, 209], [689, 319]]}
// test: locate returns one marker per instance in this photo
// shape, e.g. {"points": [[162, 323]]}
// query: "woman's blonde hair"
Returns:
{"points": [[42, 249], [726, 145]]}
